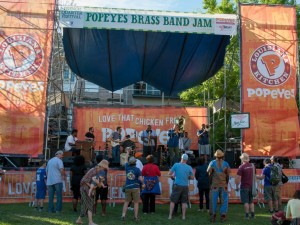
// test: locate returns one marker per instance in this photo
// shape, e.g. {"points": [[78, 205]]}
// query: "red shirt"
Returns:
{"points": [[151, 170], [246, 172]]}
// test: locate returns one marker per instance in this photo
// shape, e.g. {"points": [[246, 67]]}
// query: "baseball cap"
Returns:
{"points": [[185, 157], [131, 160], [59, 152]]}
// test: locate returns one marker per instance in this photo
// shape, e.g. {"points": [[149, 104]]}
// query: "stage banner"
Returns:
{"points": [[134, 120], [20, 186], [268, 75], [25, 48]]}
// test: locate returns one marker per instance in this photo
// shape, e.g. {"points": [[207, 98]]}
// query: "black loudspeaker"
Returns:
{"points": [[68, 161], [233, 158], [230, 158]]}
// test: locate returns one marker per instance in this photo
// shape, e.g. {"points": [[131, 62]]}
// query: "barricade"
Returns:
{"points": [[19, 186]]}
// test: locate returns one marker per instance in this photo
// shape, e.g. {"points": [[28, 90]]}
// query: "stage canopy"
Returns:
{"points": [[115, 48]]}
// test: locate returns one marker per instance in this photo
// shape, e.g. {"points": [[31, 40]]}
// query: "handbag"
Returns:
{"points": [[284, 178], [254, 190], [151, 185]]}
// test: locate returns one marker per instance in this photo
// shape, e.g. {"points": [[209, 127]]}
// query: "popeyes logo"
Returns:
{"points": [[270, 65], [20, 56]]}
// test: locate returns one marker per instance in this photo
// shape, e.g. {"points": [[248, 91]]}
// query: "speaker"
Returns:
{"points": [[230, 158], [68, 161]]}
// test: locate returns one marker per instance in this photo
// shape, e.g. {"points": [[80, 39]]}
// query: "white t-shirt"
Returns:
{"points": [[69, 140], [139, 164], [53, 171]]}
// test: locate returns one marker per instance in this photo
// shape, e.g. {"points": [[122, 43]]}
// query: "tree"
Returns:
{"points": [[207, 93]]}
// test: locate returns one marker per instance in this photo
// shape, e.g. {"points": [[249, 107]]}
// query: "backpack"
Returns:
{"points": [[274, 175]]}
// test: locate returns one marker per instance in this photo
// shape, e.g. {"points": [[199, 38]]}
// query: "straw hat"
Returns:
{"points": [[104, 163], [138, 154], [219, 154], [245, 157]]}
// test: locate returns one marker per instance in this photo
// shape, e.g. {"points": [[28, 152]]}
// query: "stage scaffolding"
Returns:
{"points": [[64, 91]]}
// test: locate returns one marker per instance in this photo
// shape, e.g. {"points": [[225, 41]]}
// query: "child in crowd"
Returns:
{"points": [[40, 187], [93, 184]]}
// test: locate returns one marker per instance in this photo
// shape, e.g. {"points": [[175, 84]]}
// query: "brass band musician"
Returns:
{"points": [[149, 139], [174, 135]]}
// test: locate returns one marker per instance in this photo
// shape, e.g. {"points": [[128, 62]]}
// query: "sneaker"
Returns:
{"points": [[136, 219], [130, 208], [271, 211], [40, 210], [123, 218]]}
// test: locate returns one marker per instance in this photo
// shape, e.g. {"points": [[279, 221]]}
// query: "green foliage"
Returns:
{"points": [[207, 93]]}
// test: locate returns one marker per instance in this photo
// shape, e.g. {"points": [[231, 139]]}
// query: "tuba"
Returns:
{"points": [[180, 121]]}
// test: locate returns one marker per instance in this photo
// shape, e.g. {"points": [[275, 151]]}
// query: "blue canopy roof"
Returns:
{"points": [[171, 62]]}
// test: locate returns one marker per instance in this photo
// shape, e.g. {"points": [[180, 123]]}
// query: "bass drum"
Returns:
{"points": [[122, 159]]}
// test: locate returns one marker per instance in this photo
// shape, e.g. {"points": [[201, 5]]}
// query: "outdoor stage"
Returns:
{"points": [[19, 186]]}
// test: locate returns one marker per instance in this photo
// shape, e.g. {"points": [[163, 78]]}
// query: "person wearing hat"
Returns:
{"points": [[91, 178], [132, 186], [218, 171], [245, 177], [55, 177], [180, 190], [139, 164]]}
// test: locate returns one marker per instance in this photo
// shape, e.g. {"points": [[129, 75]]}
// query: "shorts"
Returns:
{"points": [[180, 194], [40, 193], [132, 194], [204, 149], [271, 193], [246, 195], [102, 193]]}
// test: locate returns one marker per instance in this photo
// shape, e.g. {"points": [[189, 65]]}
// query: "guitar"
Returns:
{"points": [[116, 142]]}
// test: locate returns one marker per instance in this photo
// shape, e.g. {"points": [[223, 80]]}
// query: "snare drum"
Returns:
{"points": [[122, 159]]}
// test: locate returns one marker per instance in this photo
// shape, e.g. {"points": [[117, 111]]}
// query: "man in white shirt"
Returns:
{"points": [[70, 144], [55, 176]]}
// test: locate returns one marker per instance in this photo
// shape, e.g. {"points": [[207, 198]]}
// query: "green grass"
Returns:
{"points": [[24, 215]]}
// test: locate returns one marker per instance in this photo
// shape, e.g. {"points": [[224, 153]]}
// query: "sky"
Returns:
{"points": [[163, 5]]}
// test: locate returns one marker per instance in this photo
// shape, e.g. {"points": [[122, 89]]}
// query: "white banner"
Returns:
{"points": [[124, 19]]}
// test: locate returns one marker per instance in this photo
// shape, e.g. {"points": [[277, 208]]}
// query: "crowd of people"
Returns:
{"points": [[142, 184]]}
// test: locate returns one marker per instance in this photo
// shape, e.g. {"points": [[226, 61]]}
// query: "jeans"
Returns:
{"points": [[222, 193], [206, 193], [51, 191], [116, 154]]}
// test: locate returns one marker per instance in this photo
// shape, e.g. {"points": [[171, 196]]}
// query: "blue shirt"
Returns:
{"points": [[267, 172], [182, 172], [173, 141], [41, 177], [132, 176]]}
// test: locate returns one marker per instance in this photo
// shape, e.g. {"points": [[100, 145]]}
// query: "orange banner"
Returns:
{"points": [[269, 60], [25, 48], [134, 120], [21, 187]]}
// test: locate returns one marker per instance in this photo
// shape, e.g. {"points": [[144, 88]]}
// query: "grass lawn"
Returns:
{"points": [[24, 215]]}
